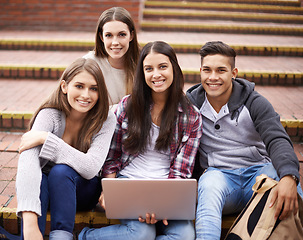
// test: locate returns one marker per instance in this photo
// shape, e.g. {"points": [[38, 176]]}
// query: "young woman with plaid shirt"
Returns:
{"points": [[157, 136]]}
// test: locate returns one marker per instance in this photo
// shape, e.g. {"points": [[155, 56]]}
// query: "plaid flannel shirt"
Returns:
{"points": [[182, 153]]}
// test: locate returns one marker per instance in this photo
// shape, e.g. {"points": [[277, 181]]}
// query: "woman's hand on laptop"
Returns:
{"points": [[101, 200], [151, 219]]}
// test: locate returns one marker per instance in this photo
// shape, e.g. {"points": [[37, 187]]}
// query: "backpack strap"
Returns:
{"points": [[263, 183]]}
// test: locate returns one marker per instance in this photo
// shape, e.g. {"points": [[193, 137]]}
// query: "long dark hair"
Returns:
{"points": [[96, 116], [139, 104], [132, 54]]}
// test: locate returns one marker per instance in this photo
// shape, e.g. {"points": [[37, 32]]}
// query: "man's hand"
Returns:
{"points": [[285, 196]]}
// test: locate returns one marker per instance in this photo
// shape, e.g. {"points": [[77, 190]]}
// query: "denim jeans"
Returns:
{"points": [[224, 192], [135, 230], [64, 191]]}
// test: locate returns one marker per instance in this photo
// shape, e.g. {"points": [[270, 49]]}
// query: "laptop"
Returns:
{"points": [[172, 199]]}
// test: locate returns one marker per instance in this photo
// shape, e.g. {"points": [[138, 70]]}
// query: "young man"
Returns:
{"points": [[242, 138]]}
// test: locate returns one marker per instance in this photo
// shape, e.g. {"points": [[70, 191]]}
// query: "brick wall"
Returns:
{"points": [[65, 15]]}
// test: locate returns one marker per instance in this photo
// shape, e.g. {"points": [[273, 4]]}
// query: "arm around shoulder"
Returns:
{"points": [[86, 164], [29, 173]]}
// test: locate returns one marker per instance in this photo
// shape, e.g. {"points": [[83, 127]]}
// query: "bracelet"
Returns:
{"points": [[294, 178]]}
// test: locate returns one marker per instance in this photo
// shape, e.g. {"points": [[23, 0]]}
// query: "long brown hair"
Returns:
{"points": [[96, 116], [132, 54], [139, 104]]}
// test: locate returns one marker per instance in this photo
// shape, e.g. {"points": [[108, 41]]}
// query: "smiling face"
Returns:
{"points": [[216, 78], [82, 92], [158, 72], [116, 38]]}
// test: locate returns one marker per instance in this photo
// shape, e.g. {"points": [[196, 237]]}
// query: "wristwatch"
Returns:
{"points": [[294, 178]]}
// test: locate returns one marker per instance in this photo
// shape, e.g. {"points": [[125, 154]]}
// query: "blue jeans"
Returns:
{"points": [[64, 191], [135, 230], [224, 192]]}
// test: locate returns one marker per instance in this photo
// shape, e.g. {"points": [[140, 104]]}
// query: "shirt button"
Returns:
{"points": [[217, 126]]}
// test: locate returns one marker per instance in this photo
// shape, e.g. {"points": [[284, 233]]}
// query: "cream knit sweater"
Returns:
{"points": [[115, 79]]}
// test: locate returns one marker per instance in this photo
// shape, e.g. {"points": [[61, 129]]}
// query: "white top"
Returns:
{"points": [[212, 112], [150, 164], [115, 79]]}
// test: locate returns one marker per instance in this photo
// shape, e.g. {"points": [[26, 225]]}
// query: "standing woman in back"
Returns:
{"points": [[116, 51], [63, 153], [157, 136]]}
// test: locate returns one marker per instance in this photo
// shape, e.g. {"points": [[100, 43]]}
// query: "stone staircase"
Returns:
{"points": [[223, 17], [267, 35]]}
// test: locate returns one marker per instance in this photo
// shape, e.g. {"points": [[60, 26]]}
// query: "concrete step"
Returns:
{"points": [[266, 70], [16, 109], [25, 96], [222, 17], [55, 45], [216, 26], [182, 42], [225, 6], [263, 77], [294, 3], [167, 13]]}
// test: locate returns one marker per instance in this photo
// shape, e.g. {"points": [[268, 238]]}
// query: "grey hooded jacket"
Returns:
{"points": [[249, 132]]}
